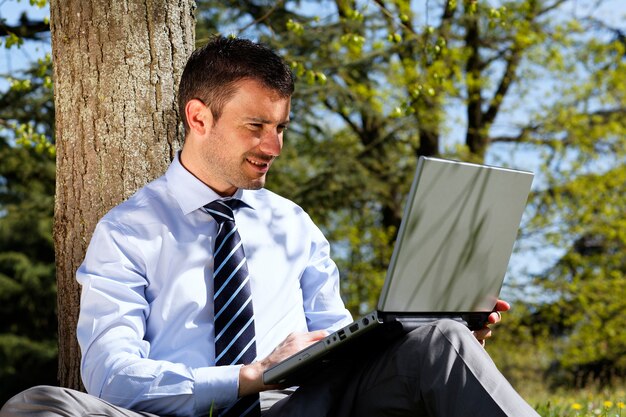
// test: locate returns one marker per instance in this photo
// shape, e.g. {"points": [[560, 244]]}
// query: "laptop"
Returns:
{"points": [[450, 257]]}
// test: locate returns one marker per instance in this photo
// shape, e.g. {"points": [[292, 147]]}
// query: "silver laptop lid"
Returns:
{"points": [[457, 235]]}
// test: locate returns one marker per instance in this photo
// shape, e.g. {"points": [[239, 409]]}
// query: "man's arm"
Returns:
{"points": [[321, 298], [118, 362]]}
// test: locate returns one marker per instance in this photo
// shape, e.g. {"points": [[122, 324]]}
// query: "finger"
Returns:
{"points": [[494, 317], [482, 334], [306, 336], [502, 305], [317, 334], [295, 342]]}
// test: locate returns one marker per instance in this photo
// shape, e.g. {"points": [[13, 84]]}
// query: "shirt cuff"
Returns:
{"points": [[215, 386]]}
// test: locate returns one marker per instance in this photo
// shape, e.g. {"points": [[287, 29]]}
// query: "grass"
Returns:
{"points": [[591, 402], [599, 408], [582, 403]]}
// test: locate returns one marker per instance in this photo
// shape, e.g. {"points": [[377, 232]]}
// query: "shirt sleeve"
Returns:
{"points": [[323, 306], [116, 363]]}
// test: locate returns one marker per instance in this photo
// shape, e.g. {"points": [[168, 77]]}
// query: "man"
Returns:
{"points": [[163, 304]]}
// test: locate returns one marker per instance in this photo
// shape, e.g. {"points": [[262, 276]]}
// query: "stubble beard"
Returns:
{"points": [[254, 183]]}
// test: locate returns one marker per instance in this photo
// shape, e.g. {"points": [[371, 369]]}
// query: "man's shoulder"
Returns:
{"points": [[144, 205], [264, 198], [280, 213]]}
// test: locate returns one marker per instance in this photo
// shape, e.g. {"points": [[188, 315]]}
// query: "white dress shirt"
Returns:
{"points": [[146, 320]]}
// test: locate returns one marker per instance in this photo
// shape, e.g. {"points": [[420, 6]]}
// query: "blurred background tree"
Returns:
{"points": [[534, 84], [28, 329]]}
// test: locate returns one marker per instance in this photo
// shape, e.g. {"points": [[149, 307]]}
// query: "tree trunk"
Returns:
{"points": [[116, 71]]}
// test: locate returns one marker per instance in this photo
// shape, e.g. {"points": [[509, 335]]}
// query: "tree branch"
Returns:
{"points": [[263, 17], [506, 81], [344, 116], [26, 28]]}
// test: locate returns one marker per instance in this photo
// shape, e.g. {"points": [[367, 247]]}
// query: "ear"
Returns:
{"points": [[199, 117]]}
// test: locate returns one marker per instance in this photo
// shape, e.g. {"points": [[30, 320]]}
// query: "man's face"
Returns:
{"points": [[240, 147]]}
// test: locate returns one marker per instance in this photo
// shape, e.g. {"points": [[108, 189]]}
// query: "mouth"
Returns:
{"points": [[259, 164]]}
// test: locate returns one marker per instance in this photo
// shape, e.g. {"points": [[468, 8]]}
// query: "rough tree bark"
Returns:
{"points": [[116, 71]]}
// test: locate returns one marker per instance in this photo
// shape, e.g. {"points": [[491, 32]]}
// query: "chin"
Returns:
{"points": [[254, 185]]}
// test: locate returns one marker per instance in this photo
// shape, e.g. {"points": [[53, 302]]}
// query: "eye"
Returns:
{"points": [[281, 128], [255, 126]]}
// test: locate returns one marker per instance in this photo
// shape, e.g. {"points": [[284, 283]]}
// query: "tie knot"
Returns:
{"points": [[222, 210]]}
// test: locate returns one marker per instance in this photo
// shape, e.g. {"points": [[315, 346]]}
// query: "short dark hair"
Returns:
{"points": [[213, 70]]}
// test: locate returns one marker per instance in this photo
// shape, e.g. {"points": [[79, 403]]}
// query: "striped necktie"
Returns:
{"points": [[232, 302]]}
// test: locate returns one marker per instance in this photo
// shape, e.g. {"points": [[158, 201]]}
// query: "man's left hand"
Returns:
{"points": [[483, 334]]}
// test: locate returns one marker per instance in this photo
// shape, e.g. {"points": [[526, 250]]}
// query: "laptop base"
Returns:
{"points": [[364, 337]]}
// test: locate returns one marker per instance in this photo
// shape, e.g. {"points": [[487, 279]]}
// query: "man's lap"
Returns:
{"points": [[436, 370]]}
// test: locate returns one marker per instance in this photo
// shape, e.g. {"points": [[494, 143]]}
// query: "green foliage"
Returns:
{"points": [[27, 275], [586, 284], [25, 361], [28, 331], [12, 40]]}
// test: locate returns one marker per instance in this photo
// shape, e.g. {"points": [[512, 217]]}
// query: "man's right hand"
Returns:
{"points": [[251, 376]]}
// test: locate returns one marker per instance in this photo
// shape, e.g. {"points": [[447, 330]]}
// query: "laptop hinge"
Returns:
{"points": [[475, 321]]}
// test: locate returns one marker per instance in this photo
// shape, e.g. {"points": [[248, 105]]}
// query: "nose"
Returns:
{"points": [[271, 143]]}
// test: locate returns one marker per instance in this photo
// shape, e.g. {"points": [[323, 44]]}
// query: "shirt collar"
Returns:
{"points": [[191, 193]]}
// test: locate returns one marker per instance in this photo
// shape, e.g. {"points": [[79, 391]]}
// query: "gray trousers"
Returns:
{"points": [[435, 370]]}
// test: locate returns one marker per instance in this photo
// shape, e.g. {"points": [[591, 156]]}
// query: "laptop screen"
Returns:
{"points": [[457, 234]]}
